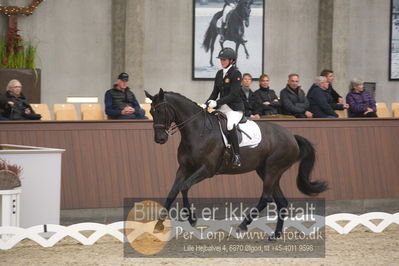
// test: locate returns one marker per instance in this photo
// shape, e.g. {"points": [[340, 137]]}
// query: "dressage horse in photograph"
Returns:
{"points": [[234, 31], [201, 154]]}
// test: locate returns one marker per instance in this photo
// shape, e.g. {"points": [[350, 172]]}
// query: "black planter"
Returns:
{"points": [[29, 78]]}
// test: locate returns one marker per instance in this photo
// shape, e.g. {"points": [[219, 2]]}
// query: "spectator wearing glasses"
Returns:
{"points": [[120, 101], [18, 106]]}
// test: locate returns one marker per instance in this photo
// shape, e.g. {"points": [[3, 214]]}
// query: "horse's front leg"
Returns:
{"points": [[202, 173], [171, 198], [181, 184], [192, 219]]}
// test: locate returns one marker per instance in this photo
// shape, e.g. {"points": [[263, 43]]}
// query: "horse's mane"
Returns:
{"points": [[178, 95]]}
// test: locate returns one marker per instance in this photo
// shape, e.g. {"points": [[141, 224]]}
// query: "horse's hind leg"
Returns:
{"points": [[281, 203], [264, 200], [212, 49], [245, 49]]}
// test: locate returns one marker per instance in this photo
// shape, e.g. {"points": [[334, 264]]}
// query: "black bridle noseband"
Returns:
{"points": [[172, 129]]}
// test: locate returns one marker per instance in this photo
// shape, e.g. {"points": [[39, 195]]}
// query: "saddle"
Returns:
{"points": [[222, 118], [248, 133]]}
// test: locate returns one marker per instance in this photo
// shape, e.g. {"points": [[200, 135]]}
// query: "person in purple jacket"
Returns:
{"points": [[360, 101]]}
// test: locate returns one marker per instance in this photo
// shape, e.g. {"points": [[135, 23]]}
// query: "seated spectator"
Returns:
{"points": [[120, 102], [265, 100], [19, 107], [321, 102], [360, 101], [247, 95], [329, 74], [293, 99]]}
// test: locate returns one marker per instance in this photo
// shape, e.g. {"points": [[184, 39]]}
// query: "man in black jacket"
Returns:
{"points": [[227, 87], [19, 107], [120, 101], [265, 99], [247, 96], [329, 74], [293, 99], [322, 104]]}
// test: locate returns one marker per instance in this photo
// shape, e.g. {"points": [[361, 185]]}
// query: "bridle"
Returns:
{"points": [[237, 13], [172, 129]]}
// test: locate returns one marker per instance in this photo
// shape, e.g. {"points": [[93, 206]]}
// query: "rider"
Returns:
{"points": [[228, 85], [229, 5]]}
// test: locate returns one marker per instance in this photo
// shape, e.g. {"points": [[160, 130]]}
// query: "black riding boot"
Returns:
{"points": [[233, 139]]}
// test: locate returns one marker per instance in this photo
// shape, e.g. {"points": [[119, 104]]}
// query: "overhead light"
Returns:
{"points": [[82, 99]]}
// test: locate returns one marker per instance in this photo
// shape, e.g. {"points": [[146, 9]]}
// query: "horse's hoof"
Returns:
{"points": [[159, 227], [193, 222], [274, 237], [242, 228], [192, 219]]}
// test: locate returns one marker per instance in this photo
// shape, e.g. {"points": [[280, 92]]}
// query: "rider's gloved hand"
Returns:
{"points": [[212, 104], [203, 106]]}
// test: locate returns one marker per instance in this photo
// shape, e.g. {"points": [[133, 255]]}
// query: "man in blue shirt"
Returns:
{"points": [[120, 102]]}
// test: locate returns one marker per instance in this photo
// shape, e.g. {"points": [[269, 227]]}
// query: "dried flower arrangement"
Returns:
{"points": [[9, 175]]}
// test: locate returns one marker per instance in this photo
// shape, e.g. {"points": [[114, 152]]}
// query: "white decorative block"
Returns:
{"points": [[41, 182]]}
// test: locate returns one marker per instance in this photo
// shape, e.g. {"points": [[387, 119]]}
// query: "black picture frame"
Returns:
{"points": [[203, 12], [394, 42]]}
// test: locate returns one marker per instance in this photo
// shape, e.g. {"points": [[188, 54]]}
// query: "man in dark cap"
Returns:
{"points": [[120, 102]]}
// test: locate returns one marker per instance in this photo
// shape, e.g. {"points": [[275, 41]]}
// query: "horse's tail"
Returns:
{"points": [[307, 159], [211, 32]]}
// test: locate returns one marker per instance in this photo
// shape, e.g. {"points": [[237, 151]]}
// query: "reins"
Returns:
{"points": [[173, 128]]}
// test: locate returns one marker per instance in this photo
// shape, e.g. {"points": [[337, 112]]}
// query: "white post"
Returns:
{"points": [[10, 202]]}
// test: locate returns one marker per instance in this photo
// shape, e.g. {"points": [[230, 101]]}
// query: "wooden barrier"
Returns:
{"points": [[106, 161]]}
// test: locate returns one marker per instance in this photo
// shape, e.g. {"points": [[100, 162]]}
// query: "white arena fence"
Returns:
{"points": [[49, 235]]}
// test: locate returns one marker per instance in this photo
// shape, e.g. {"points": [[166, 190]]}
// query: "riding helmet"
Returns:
{"points": [[227, 53]]}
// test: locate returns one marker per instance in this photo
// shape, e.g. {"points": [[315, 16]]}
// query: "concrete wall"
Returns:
{"points": [[368, 51], [159, 45], [291, 41], [74, 47]]}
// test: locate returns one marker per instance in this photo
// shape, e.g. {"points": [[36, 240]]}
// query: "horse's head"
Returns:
{"points": [[163, 116], [244, 10]]}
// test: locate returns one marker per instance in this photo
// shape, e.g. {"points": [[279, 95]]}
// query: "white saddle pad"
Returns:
{"points": [[252, 130]]}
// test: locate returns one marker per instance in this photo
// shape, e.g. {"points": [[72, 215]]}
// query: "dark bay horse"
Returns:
{"points": [[234, 31], [201, 151]]}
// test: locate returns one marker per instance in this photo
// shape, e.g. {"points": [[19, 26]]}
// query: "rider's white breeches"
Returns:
{"points": [[226, 11], [233, 117]]}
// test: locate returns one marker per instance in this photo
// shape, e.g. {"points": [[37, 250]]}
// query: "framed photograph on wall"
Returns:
{"points": [[238, 24], [394, 42]]}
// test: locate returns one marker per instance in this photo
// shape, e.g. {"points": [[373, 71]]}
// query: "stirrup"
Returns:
{"points": [[236, 161]]}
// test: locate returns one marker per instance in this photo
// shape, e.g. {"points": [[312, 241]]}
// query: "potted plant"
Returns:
{"points": [[17, 57]]}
